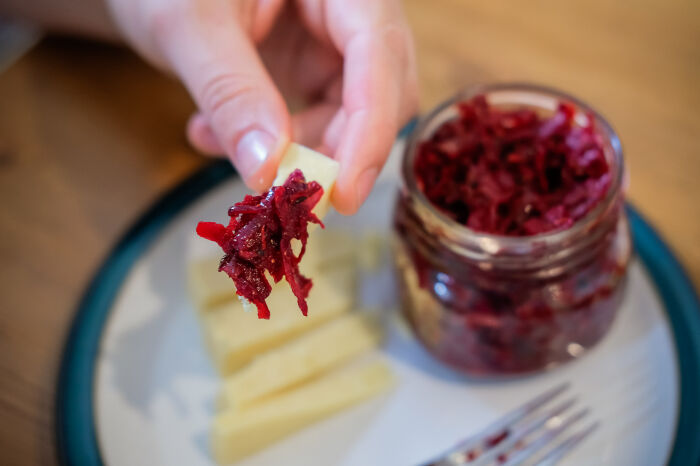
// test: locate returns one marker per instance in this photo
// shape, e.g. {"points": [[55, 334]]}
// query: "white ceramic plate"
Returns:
{"points": [[155, 386]]}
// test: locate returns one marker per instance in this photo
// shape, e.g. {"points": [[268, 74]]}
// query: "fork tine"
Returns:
{"points": [[456, 455], [565, 447], [523, 432], [558, 426], [527, 408]]}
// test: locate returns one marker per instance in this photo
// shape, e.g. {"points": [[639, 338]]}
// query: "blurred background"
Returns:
{"points": [[90, 136]]}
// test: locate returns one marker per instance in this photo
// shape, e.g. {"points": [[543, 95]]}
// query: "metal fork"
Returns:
{"points": [[519, 436]]}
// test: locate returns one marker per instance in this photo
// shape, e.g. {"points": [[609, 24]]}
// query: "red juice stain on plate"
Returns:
{"points": [[259, 236]]}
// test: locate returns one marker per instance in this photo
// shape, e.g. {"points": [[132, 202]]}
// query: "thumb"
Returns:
{"points": [[249, 119]]}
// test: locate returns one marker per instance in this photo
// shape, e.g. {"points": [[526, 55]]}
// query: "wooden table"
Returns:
{"points": [[90, 136]]}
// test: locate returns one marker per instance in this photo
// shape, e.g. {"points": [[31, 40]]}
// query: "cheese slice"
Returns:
{"points": [[207, 286], [308, 356], [208, 289], [238, 433], [235, 337], [371, 252], [315, 167], [329, 247]]}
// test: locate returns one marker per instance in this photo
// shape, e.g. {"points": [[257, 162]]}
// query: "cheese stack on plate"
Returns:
{"points": [[282, 374]]}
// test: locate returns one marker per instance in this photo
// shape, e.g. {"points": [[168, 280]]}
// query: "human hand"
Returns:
{"points": [[350, 62]]}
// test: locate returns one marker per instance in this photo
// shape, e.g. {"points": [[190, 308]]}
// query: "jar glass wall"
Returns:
{"points": [[489, 304]]}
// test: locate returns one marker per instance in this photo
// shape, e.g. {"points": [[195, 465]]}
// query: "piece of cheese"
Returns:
{"points": [[207, 286], [315, 167], [208, 289], [235, 337], [371, 253], [313, 353], [238, 433], [329, 247]]}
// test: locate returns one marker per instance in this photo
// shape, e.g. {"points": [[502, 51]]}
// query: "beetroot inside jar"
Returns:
{"points": [[512, 243]]}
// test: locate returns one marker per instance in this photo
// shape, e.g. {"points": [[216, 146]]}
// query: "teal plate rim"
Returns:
{"points": [[76, 437]]}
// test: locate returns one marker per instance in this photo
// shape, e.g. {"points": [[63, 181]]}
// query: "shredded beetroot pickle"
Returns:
{"points": [[259, 236], [513, 172]]}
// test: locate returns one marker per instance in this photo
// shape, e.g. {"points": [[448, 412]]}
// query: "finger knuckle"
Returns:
{"points": [[226, 89]]}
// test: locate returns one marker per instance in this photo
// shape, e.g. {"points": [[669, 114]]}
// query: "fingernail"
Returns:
{"points": [[252, 151], [364, 185]]}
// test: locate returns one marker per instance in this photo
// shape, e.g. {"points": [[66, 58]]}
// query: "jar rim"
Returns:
{"points": [[513, 242]]}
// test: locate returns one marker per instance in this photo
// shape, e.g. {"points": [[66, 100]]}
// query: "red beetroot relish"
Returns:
{"points": [[259, 238], [512, 172], [514, 304]]}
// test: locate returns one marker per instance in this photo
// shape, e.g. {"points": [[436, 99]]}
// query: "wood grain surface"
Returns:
{"points": [[90, 136]]}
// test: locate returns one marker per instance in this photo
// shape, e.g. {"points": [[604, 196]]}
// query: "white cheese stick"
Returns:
{"points": [[207, 286], [326, 248], [315, 167], [237, 434], [235, 337], [313, 353]]}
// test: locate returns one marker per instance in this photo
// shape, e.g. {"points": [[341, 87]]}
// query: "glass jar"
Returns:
{"points": [[488, 304]]}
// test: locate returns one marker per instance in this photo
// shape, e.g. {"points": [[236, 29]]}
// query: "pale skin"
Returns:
{"points": [[348, 64]]}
